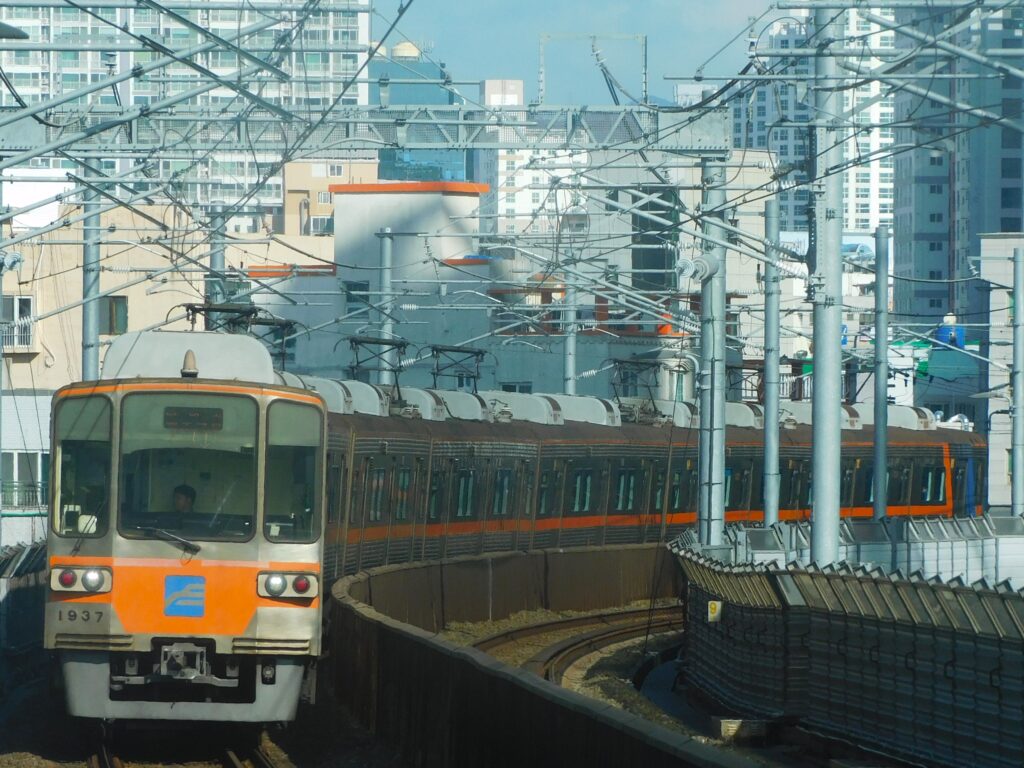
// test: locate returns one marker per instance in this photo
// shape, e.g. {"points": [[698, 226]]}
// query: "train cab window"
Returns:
{"points": [[466, 485], [82, 429], [376, 480], [625, 490], [502, 493], [436, 496], [291, 493], [403, 493], [582, 482], [188, 466]]}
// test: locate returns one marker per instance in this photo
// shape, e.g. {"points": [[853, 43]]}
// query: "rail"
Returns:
{"points": [[554, 661]]}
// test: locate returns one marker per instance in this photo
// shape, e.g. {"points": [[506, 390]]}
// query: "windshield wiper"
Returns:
{"points": [[189, 546]]}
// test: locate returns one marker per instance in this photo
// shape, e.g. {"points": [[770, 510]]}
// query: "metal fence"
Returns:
{"points": [[919, 668]]}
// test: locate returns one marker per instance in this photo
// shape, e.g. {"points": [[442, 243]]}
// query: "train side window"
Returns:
{"points": [[436, 495], [502, 493], [376, 480], [690, 487], [526, 472], [846, 483], [625, 490], [675, 498], [466, 482], [863, 487], [403, 493], [582, 483], [898, 482], [659, 492], [932, 485], [82, 429], [333, 492], [546, 493]]}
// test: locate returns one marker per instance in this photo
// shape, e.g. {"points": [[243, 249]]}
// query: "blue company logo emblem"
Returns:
{"points": [[184, 596]]}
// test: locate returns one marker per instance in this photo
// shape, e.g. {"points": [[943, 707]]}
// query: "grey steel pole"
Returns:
{"points": [[772, 323], [711, 520], [1017, 387], [570, 338], [8, 261], [387, 305], [826, 288], [91, 232], [881, 473], [215, 293]]}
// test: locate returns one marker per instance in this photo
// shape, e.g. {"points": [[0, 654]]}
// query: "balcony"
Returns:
{"points": [[18, 338], [24, 495]]}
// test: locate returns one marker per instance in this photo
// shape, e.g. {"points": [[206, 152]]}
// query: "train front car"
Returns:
{"points": [[185, 548]]}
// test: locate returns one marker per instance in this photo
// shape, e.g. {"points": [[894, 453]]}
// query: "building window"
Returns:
{"points": [[934, 246], [935, 218], [935, 274], [934, 303], [1009, 224], [321, 225], [357, 295], [324, 198], [525, 387], [14, 308], [113, 315], [935, 189], [935, 160]]}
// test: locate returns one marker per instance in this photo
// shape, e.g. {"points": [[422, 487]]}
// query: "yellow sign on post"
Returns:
{"points": [[714, 611]]}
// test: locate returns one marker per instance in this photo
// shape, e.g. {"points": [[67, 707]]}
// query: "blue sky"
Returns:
{"points": [[483, 39]]}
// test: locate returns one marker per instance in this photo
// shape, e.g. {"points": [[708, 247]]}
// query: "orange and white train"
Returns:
{"points": [[203, 504]]}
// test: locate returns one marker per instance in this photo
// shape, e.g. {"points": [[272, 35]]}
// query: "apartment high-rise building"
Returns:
{"points": [[770, 116], [964, 181], [522, 199], [329, 49]]}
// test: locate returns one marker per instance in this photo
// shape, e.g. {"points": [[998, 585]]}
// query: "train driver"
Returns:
{"points": [[184, 499]]}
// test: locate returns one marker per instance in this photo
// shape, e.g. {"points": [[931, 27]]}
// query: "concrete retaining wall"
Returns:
{"points": [[451, 706]]}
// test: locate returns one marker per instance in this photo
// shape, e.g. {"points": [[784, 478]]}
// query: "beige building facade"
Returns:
{"points": [[147, 277]]}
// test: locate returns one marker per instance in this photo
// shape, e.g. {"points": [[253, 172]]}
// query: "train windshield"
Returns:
{"points": [[188, 466], [82, 499], [292, 492]]}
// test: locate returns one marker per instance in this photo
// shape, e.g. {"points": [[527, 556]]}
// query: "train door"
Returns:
{"points": [[334, 544], [523, 523]]}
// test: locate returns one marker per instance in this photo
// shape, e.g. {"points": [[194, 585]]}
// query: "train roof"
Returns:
{"points": [[236, 357]]}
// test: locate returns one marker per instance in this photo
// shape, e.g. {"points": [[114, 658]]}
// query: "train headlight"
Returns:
{"points": [[88, 579], [92, 580], [276, 584], [285, 585]]}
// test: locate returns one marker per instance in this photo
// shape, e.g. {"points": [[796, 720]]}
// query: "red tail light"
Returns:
{"points": [[67, 578], [301, 584]]}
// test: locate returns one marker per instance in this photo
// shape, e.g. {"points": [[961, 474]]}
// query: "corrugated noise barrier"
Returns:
{"points": [[924, 670]]}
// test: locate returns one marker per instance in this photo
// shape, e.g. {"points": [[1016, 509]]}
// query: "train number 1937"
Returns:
{"points": [[70, 614]]}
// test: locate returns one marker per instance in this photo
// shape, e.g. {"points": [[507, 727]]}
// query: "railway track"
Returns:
{"points": [[256, 757], [104, 758], [601, 630]]}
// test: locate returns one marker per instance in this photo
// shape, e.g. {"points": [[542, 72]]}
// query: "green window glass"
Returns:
{"points": [[291, 493], [82, 499]]}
